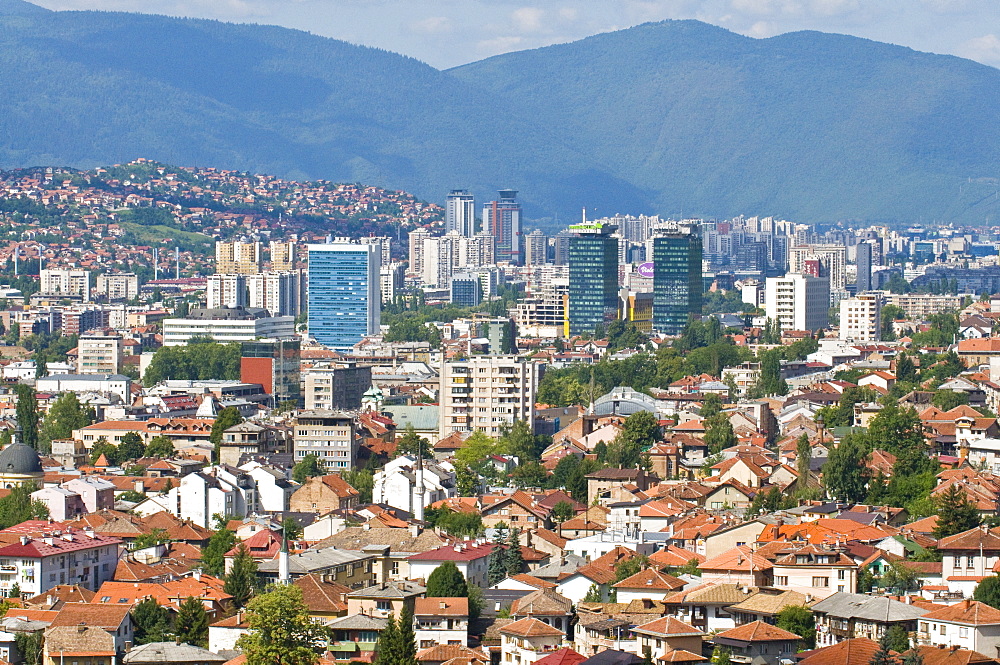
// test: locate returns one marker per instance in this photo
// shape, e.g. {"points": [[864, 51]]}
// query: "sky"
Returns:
{"points": [[446, 33]]}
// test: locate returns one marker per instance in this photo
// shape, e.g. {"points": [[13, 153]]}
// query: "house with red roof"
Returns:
{"points": [[759, 643], [471, 557], [969, 624], [51, 558], [659, 636]]}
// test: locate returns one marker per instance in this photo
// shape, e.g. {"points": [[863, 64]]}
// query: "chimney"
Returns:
{"points": [[25, 540], [48, 600], [82, 627], [415, 530], [443, 605]]}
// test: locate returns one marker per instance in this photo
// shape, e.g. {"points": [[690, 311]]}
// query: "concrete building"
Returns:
{"points": [[72, 557], [486, 393], [226, 325], [282, 256], [536, 248], [115, 384], [392, 278], [99, 354], [237, 258], [502, 219], [226, 290], [330, 435], [861, 318], [280, 293], [593, 278], [832, 261], [345, 300], [336, 388], [275, 364], [118, 285], [465, 289], [798, 301], [864, 256], [460, 212], [411, 486], [62, 281]]}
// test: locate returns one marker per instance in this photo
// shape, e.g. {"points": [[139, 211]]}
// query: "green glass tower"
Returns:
{"points": [[677, 287], [593, 277]]}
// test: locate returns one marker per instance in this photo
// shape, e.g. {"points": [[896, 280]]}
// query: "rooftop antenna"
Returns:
{"points": [[156, 263], [177, 261]]}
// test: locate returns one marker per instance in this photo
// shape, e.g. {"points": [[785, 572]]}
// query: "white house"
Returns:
{"points": [[471, 558], [966, 625], [404, 484], [217, 490], [63, 556], [527, 640], [441, 621], [274, 489]]}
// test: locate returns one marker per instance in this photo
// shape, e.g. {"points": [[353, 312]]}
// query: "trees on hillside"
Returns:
{"points": [[447, 581], [281, 630], [956, 513], [64, 415], [191, 624], [26, 414], [845, 475]]}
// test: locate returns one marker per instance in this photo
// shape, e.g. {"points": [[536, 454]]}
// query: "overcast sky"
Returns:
{"points": [[446, 33]]}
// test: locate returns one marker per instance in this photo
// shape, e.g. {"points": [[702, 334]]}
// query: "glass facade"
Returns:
{"points": [[344, 293], [276, 360], [677, 285], [593, 282]]}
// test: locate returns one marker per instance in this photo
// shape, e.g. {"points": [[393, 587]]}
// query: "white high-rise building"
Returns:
{"points": [[280, 293], [798, 302], [536, 248], [486, 393], [861, 318], [417, 239], [385, 246], [67, 282], [440, 259], [226, 291], [832, 259], [460, 213]]}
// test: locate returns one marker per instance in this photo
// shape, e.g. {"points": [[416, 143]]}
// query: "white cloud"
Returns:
{"points": [[985, 49], [498, 45], [527, 19], [568, 13], [762, 29], [433, 25]]}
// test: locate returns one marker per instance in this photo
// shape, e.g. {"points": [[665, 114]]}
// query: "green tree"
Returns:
{"points": [[405, 651], [882, 655], [711, 404], [18, 506], [626, 568], [593, 594], [308, 467], [946, 400], [241, 581], [514, 560], [281, 630], [899, 579], [161, 447], [897, 638], [719, 433], [956, 513], [913, 657], [447, 581], [103, 447], [27, 414], [721, 656], [508, 338], [191, 625], [412, 443], [213, 556], [152, 621], [131, 447], [845, 475], [29, 645], [803, 458], [798, 619], [897, 430], [530, 474], [64, 415], [562, 511], [770, 382], [521, 442], [291, 528], [362, 480], [988, 591], [497, 565], [478, 447], [151, 539], [906, 371], [387, 646], [226, 418]]}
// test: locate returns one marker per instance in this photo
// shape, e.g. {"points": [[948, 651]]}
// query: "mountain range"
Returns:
{"points": [[675, 118]]}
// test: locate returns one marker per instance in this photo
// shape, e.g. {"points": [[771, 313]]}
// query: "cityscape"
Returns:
{"points": [[328, 387]]}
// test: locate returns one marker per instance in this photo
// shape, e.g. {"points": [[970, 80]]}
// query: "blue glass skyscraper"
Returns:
{"points": [[344, 293]]}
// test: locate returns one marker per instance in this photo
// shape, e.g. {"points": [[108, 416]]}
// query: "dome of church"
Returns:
{"points": [[20, 459]]}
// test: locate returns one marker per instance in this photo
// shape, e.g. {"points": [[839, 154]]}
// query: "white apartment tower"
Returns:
{"points": [[66, 282], [460, 213], [416, 239], [486, 393], [861, 318], [226, 291], [798, 302]]}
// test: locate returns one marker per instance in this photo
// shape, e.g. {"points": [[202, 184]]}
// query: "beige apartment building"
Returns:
{"points": [[99, 354], [486, 393]]}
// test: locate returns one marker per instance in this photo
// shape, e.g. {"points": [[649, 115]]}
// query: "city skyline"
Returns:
{"points": [[445, 33]]}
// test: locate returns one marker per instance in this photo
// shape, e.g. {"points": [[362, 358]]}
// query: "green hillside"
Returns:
{"points": [[671, 118]]}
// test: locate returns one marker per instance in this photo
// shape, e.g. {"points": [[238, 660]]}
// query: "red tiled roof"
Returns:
{"points": [[758, 631]]}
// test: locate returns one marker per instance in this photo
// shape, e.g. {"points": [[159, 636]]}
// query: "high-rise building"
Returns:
{"points": [[677, 281], [337, 387], [502, 218], [797, 301], [67, 282], [226, 290], [118, 285], [487, 393], [465, 289], [237, 258], [593, 277], [282, 256], [276, 365], [460, 213], [536, 248], [280, 293], [344, 292], [864, 261], [440, 257], [832, 258], [384, 244], [861, 318], [416, 239], [99, 353], [329, 435], [477, 251], [560, 244], [393, 277]]}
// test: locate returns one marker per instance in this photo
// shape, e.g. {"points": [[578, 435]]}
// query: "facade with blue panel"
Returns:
{"points": [[344, 293]]}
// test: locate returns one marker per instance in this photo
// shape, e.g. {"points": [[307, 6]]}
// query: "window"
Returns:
{"points": [[942, 628], [383, 605], [841, 574], [963, 631], [821, 581], [781, 580]]}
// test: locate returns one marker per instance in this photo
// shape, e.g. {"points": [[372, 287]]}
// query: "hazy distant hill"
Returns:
{"points": [[676, 117]]}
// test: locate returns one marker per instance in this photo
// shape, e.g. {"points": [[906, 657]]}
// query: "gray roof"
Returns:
{"points": [[311, 561], [568, 563], [423, 418], [871, 608], [20, 458], [84, 377], [358, 622], [169, 652], [390, 590]]}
